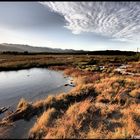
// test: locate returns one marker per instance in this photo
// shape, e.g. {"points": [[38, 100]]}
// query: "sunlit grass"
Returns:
{"points": [[103, 104]]}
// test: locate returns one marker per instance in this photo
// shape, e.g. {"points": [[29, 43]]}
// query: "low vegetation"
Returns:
{"points": [[105, 103]]}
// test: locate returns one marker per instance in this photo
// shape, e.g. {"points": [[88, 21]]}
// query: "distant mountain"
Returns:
{"points": [[22, 48], [10, 48]]}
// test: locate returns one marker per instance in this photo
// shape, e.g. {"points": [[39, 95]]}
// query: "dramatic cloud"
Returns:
{"points": [[119, 20]]}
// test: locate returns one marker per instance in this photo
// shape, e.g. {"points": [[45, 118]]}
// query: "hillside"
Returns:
{"points": [[21, 48]]}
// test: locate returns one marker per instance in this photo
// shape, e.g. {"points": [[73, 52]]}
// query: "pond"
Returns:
{"points": [[32, 84]]}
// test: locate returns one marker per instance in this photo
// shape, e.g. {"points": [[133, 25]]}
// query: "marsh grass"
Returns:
{"points": [[103, 105]]}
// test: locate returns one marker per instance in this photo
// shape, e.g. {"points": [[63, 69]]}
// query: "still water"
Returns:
{"points": [[32, 84]]}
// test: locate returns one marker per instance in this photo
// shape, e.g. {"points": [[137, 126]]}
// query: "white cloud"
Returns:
{"points": [[120, 20]]}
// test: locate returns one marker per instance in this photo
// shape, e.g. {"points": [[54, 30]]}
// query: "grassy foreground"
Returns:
{"points": [[105, 103]]}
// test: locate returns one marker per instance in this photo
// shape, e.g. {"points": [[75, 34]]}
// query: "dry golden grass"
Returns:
{"points": [[23, 104], [134, 67], [103, 105], [69, 125], [45, 120], [135, 93]]}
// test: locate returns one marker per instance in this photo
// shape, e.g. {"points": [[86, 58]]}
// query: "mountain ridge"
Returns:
{"points": [[22, 48]]}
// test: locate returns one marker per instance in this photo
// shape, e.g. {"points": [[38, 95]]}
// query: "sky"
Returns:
{"points": [[72, 25]]}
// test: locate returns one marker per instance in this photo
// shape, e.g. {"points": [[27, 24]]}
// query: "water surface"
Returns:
{"points": [[32, 84]]}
